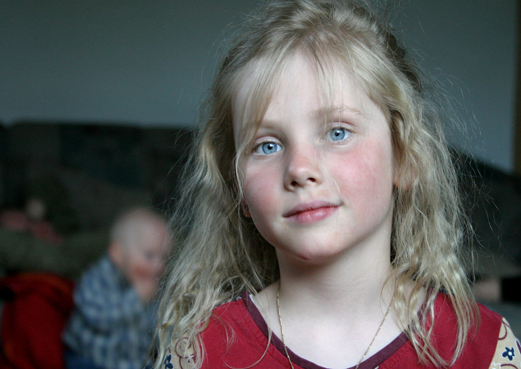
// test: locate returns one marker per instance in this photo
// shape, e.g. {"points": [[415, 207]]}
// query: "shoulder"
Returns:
{"points": [[100, 267], [483, 344], [227, 322], [102, 279], [483, 338], [483, 331], [231, 338], [182, 352], [508, 349], [102, 272], [488, 322]]}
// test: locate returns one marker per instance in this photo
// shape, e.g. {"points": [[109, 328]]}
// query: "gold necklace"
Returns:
{"points": [[366, 351]]}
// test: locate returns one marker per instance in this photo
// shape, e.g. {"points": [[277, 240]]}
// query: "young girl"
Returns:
{"points": [[320, 223]]}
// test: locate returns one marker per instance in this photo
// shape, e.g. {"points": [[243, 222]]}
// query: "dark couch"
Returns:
{"points": [[87, 173]]}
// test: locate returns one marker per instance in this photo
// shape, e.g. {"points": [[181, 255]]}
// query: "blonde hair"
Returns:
{"points": [[130, 226], [221, 253]]}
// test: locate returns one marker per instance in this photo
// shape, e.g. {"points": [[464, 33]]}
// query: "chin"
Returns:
{"points": [[316, 256]]}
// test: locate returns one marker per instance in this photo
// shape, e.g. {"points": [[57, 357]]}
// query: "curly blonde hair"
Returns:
{"points": [[221, 254]]}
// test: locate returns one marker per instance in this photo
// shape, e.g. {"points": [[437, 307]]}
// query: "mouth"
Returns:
{"points": [[311, 212]]}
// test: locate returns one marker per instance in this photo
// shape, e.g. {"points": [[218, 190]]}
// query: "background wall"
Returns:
{"points": [[470, 46], [149, 62]]}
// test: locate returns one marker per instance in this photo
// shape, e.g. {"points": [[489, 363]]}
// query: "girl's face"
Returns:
{"points": [[318, 180]]}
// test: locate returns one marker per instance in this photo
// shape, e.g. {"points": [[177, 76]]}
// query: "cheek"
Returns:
{"points": [[140, 271], [145, 269], [365, 176], [260, 191]]}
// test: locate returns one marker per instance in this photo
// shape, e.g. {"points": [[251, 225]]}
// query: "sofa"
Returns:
{"points": [[87, 173]]}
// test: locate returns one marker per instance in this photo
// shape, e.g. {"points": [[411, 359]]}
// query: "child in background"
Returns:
{"points": [[112, 324], [320, 224]]}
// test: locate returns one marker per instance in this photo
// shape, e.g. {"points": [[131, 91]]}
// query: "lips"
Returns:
{"points": [[311, 212]]}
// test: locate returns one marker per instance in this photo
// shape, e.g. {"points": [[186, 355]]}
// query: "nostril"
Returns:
{"points": [[312, 180]]}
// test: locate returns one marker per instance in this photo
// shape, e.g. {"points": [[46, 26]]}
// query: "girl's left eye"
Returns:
{"points": [[338, 134]]}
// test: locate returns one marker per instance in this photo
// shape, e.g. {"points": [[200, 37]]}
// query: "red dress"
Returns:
{"points": [[237, 337]]}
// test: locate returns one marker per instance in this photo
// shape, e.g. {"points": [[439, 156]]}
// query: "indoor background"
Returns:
{"points": [[149, 63]]}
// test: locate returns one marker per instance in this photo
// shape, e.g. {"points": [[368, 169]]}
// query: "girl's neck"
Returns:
{"points": [[356, 296], [352, 283], [326, 309]]}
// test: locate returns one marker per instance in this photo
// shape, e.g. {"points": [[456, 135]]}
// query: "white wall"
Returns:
{"points": [[139, 61], [149, 62]]}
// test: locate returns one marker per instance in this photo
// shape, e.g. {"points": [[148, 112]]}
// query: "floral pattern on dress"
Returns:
{"points": [[182, 357], [168, 362], [509, 353], [508, 350]]}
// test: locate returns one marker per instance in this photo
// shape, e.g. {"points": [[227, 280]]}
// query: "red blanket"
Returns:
{"points": [[37, 308]]}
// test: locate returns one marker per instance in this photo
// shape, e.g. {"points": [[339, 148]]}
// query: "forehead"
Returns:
{"points": [[328, 84], [149, 233]]}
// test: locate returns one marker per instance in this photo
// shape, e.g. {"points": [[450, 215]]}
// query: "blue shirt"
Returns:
{"points": [[110, 325]]}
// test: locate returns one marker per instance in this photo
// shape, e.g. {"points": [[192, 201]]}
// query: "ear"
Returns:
{"points": [[245, 209], [116, 254]]}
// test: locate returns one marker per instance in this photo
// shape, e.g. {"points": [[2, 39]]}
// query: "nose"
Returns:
{"points": [[303, 169]]}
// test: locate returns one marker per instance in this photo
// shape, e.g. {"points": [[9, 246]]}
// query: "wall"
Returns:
{"points": [[124, 61], [149, 62], [470, 47]]}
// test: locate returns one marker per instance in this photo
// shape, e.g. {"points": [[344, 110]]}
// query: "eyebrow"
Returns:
{"points": [[319, 113], [326, 111]]}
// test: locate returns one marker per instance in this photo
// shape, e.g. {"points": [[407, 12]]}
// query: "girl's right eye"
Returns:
{"points": [[267, 148], [338, 134]]}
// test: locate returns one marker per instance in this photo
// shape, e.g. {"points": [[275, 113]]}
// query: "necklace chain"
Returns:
{"points": [[366, 351], [280, 323]]}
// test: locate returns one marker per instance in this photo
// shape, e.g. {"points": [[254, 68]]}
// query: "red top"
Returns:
{"points": [[237, 337]]}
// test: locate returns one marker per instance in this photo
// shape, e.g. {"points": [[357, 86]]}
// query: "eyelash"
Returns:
{"points": [[347, 133], [259, 146]]}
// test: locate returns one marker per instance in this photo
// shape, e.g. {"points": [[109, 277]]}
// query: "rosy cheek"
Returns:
{"points": [[362, 173], [348, 172], [139, 271], [143, 270], [258, 190]]}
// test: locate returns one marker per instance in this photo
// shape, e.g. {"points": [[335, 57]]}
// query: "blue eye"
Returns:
{"points": [[338, 134], [268, 148]]}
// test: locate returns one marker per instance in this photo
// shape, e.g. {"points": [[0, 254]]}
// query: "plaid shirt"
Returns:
{"points": [[110, 325]]}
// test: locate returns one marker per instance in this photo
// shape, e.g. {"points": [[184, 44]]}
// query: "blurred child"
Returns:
{"points": [[112, 324], [321, 223]]}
